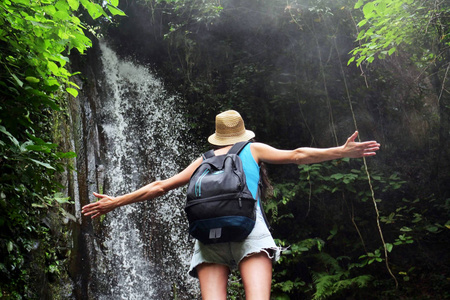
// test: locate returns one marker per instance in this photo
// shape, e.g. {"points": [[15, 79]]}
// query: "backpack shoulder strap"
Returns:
{"points": [[237, 147], [208, 154]]}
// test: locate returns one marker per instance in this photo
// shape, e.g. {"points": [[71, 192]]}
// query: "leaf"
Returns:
{"points": [[368, 10], [73, 83], [24, 2], [69, 215], [32, 79], [432, 228], [360, 36], [337, 176], [53, 67], [392, 50], [39, 148], [10, 136], [350, 60], [48, 166], [74, 4], [389, 247], [62, 200], [359, 4], [9, 246], [19, 82], [362, 23], [72, 91], [66, 154], [115, 11], [93, 9], [360, 60]]}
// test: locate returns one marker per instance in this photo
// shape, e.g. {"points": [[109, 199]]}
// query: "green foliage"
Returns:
{"points": [[36, 39], [235, 289], [388, 25], [192, 13], [318, 190], [326, 211], [336, 279]]}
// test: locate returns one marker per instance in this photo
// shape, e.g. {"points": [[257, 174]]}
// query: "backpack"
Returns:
{"points": [[219, 206]]}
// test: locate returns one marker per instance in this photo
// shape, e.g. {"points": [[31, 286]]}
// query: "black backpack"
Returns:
{"points": [[219, 205]]}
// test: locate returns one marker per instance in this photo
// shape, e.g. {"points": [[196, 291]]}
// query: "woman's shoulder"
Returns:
{"points": [[268, 154], [258, 146], [256, 149]]}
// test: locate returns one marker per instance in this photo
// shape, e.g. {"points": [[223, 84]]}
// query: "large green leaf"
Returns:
{"points": [[115, 11], [74, 4], [41, 163]]}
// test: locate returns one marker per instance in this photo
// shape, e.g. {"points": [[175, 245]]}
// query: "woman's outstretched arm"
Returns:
{"points": [[308, 155], [148, 192]]}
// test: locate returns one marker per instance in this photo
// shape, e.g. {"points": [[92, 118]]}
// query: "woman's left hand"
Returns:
{"points": [[354, 149]]}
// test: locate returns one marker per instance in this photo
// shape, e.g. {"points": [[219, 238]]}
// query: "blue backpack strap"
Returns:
{"points": [[208, 154], [238, 147]]}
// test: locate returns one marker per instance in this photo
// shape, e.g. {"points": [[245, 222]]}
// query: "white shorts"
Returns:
{"points": [[231, 254]]}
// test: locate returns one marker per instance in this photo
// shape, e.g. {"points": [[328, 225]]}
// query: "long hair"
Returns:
{"points": [[267, 188]]}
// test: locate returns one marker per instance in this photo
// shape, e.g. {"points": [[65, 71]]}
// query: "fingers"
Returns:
{"points": [[368, 143], [98, 195], [369, 154], [89, 209], [89, 213], [353, 137], [373, 148], [370, 148], [92, 209]]}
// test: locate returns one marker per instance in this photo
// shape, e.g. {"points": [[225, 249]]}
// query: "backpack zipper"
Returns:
{"points": [[198, 184]]}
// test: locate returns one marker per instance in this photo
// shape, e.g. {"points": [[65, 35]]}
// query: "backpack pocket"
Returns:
{"points": [[222, 229], [221, 219], [220, 206]]}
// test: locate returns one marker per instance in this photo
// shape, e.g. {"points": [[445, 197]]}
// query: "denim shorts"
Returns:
{"points": [[231, 254]]}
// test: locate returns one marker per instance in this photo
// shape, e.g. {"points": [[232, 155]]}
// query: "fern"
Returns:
{"points": [[336, 280], [325, 284], [328, 285], [328, 261]]}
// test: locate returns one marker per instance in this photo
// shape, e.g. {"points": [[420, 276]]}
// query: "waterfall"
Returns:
{"points": [[144, 251]]}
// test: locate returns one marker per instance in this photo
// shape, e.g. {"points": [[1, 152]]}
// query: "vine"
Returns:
{"points": [[369, 180]]}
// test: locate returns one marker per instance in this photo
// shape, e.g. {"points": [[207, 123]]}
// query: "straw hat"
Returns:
{"points": [[230, 129]]}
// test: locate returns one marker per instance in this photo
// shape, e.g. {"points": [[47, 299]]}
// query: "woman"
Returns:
{"points": [[254, 256]]}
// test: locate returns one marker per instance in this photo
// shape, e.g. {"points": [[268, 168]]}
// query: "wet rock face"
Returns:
{"points": [[128, 132]]}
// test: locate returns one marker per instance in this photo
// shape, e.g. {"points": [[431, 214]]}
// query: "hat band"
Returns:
{"points": [[231, 134]]}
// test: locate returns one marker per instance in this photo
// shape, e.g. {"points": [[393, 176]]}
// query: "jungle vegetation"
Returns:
{"points": [[302, 73], [36, 40]]}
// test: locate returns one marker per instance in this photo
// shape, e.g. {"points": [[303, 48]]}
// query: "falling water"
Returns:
{"points": [[146, 251]]}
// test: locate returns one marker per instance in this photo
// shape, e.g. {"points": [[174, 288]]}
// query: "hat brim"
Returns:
{"points": [[216, 140]]}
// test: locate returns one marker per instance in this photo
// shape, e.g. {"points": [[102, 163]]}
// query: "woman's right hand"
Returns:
{"points": [[101, 207]]}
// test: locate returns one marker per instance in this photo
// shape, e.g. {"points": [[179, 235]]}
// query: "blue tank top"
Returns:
{"points": [[251, 170]]}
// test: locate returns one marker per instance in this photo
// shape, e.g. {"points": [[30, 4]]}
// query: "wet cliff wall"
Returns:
{"points": [[128, 132]]}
